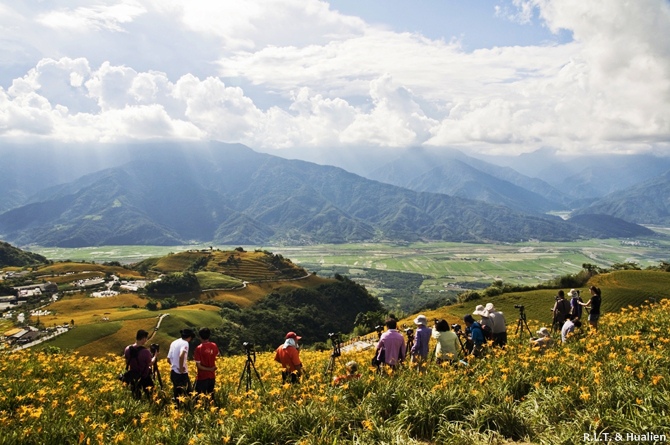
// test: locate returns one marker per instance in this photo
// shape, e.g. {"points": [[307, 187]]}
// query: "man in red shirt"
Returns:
{"points": [[289, 357], [205, 361]]}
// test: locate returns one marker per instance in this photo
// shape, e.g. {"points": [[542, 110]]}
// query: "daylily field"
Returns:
{"points": [[615, 381]]}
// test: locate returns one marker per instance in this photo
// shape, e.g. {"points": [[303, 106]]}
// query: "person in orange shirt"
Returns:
{"points": [[288, 355]]}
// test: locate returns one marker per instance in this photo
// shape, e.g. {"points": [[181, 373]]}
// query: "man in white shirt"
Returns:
{"points": [[177, 358]]}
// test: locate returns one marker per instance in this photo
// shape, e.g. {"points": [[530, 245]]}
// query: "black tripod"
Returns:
{"points": [[248, 366], [522, 323], [155, 372], [330, 368], [410, 339]]}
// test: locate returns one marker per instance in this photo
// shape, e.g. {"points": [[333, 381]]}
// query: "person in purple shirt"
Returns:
{"points": [[420, 348], [391, 345]]}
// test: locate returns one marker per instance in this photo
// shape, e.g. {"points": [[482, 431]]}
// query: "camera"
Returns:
{"points": [[154, 348], [247, 345], [519, 306], [334, 336], [457, 329]]}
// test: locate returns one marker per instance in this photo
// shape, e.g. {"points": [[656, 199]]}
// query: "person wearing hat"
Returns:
{"points": [[419, 350], [288, 354], [575, 307], [475, 335], [543, 341], [499, 325], [485, 321], [177, 358]]}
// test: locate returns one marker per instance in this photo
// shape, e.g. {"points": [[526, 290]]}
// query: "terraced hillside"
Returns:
{"points": [[252, 267]]}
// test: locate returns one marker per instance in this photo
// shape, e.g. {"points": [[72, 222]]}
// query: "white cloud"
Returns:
{"points": [[294, 73]]}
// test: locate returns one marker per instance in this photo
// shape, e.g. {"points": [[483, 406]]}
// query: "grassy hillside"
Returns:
{"points": [[616, 381], [11, 256], [619, 289]]}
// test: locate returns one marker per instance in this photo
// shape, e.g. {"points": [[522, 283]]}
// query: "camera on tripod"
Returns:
{"points": [[154, 348], [248, 346], [457, 329], [519, 306], [335, 340]]}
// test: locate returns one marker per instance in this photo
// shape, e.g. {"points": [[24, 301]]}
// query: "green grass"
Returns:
{"points": [[84, 334], [215, 280], [620, 289]]}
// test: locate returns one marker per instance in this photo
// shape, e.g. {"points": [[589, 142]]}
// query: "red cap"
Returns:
{"points": [[294, 336]]}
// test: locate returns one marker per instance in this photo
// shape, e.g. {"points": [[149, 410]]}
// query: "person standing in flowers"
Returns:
{"points": [[140, 361], [499, 325], [177, 358], [575, 307], [594, 305], [448, 345], [288, 355], [475, 336], [205, 360], [485, 321], [391, 347], [560, 310], [420, 347]]}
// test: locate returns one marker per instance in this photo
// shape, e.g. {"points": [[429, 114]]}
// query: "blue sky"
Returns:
{"points": [[476, 23], [493, 77]]}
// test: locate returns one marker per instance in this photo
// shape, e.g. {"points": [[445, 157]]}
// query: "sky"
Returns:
{"points": [[498, 77]]}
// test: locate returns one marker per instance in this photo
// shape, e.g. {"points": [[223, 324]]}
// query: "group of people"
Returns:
{"points": [[567, 316], [141, 362], [391, 350]]}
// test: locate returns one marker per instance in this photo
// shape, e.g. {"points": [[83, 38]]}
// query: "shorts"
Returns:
{"points": [[594, 317], [204, 386]]}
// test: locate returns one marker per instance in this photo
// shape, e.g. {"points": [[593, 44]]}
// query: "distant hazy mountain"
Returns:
{"points": [[454, 173], [646, 203], [615, 226], [587, 177], [229, 194]]}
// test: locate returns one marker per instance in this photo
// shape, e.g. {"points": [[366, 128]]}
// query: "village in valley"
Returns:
{"points": [[26, 308]]}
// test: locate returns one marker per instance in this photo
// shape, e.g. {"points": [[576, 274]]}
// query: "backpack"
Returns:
{"points": [[487, 331], [131, 375]]}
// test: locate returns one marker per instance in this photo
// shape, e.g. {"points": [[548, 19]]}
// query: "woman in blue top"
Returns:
{"points": [[594, 304]]}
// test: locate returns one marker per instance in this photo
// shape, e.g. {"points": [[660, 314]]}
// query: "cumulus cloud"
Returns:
{"points": [[295, 73]]}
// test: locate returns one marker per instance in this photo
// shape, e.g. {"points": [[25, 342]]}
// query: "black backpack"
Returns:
{"points": [[131, 375]]}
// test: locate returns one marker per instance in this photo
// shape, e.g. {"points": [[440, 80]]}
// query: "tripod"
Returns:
{"points": [[156, 374], [410, 339], [330, 368], [522, 323], [248, 366]]}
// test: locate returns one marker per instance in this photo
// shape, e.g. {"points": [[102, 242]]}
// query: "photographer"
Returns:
{"points": [[560, 310], [447, 346], [543, 341], [205, 361], [391, 346], [499, 325], [139, 362], [288, 354], [569, 328], [419, 349], [475, 336], [594, 305], [177, 358], [575, 307]]}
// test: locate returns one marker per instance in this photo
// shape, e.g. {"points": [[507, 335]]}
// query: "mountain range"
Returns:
{"points": [[167, 194]]}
